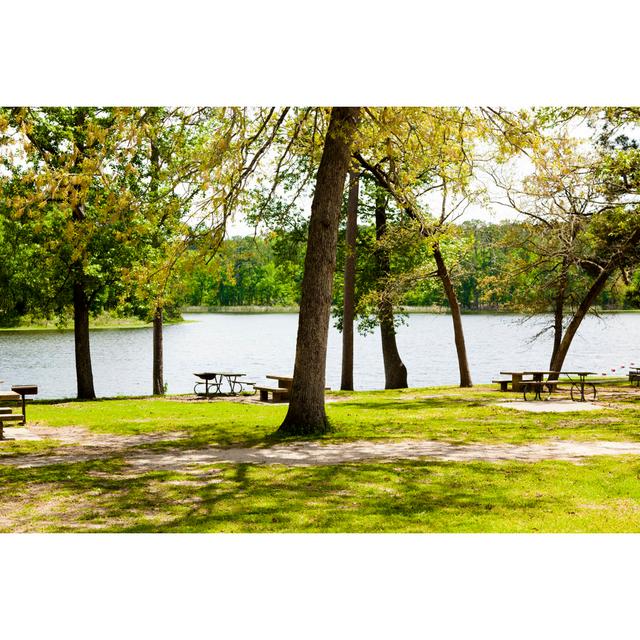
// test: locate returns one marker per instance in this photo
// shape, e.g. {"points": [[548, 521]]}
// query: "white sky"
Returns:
{"points": [[519, 167]]}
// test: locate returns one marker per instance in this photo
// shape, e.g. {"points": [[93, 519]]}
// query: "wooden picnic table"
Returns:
{"points": [[580, 384], [537, 383], [213, 381], [285, 382], [18, 395], [280, 393], [516, 379]]}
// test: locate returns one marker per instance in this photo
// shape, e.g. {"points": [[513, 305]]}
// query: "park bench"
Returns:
{"points": [[279, 394], [503, 382], [634, 376], [7, 416]]}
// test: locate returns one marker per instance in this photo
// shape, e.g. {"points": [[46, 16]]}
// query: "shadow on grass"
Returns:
{"points": [[418, 404], [347, 498], [391, 497]]}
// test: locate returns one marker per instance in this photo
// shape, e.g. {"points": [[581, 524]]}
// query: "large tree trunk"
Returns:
{"points": [[84, 373], [306, 414], [158, 367], [395, 373], [346, 383], [450, 292]]}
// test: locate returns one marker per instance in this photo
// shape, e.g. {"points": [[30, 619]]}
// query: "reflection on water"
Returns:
{"points": [[258, 344]]}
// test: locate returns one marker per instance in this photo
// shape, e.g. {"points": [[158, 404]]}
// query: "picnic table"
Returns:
{"points": [[537, 384], [580, 384], [581, 389], [213, 382], [284, 382], [280, 393], [516, 380], [18, 395], [24, 390]]}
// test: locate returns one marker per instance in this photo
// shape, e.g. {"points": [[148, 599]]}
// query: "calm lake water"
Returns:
{"points": [[259, 344]]}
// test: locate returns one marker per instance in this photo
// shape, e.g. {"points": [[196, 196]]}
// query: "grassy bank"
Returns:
{"points": [[599, 494], [104, 321]]}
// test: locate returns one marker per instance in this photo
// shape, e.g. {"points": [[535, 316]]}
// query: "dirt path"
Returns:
{"points": [[97, 446]]}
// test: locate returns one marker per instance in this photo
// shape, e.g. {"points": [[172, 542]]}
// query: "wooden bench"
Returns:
{"points": [[279, 394], [9, 417], [634, 376], [504, 383]]}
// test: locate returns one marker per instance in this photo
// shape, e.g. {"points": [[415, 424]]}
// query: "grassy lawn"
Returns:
{"points": [[443, 413], [599, 494]]}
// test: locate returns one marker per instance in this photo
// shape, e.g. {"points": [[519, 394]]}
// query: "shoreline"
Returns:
{"points": [[258, 309]]}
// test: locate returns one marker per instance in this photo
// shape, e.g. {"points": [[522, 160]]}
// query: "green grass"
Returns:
{"points": [[445, 413], [103, 321], [600, 494]]}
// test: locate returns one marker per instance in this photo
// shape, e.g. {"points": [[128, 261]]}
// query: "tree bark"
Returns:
{"points": [[306, 414], [395, 372], [158, 365], [452, 298], [84, 373], [346, 383]]}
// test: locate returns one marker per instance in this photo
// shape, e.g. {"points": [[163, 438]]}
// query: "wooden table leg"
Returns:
{"points": [[516, 382]]}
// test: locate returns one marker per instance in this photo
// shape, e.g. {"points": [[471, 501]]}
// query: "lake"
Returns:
{"points": [[259, 344]]}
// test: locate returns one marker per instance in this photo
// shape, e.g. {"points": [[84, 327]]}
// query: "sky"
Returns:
{"points": [[519, 167]]}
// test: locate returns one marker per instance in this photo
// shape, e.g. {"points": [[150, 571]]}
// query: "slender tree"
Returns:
{"points": [[395, 372], [346, 383]]}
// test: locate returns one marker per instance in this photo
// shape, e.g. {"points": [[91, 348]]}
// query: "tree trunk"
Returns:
{"points": [[558, 312], [158, 367], [346, 383], [595, 290], [443, 274], [306, 414], [84, 373], [395, 373]]}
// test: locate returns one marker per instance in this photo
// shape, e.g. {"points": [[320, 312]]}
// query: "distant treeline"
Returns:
{"points": [[487, 268]]}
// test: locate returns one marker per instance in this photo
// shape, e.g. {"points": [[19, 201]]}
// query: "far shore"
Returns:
{"points": [[106, 322], [405, 309]]}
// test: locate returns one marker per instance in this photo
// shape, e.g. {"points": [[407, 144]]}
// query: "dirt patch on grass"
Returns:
{"points": [[85, 437], [313, 454]]}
